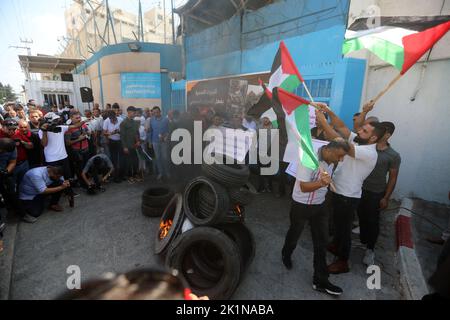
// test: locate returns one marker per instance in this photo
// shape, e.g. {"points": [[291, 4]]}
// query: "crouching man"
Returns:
{"points": [[96, 172], [37, 184]]}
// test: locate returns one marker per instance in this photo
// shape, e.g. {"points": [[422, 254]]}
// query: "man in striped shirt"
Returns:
{"points": [[308, 206]]}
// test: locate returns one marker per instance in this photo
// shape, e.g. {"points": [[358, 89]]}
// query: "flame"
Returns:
{"points": [[164, 227], [237, 209]]}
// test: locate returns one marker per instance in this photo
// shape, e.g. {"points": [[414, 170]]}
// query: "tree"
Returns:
{"points": [[7, 93]]}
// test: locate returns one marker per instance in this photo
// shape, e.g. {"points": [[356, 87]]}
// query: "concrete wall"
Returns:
{"points": [[104, 69], [422, 129]]}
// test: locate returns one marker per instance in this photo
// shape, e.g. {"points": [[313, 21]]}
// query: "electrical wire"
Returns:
{"points": [[419, 215]]}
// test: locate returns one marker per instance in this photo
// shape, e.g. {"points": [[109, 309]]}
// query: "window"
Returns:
{"points": [[320, 89], [50, 99]]}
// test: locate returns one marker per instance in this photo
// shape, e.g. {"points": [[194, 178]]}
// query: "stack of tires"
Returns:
{"points": [[214, 254]]}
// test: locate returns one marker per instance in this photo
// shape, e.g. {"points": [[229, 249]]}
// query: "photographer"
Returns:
{"points": [[52, 134], [77, 140], [37, 184], [8, 156], [97, 171], [23, 143]]}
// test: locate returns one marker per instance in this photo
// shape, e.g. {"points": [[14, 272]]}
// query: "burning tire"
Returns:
{"points": [[218, 250], [206, 206], [242, 195], [229, 175], [201, 212], [170, 224]]}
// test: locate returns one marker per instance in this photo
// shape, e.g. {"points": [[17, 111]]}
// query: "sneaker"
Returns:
{"points": [[287, 261], [131, 180], [328, 288], [369, 257], [29, 219]]}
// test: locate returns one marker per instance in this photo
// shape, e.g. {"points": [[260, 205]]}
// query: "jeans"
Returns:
{"points": [[369, 217], [79, 160], [19, 172], [36, 206], [317, 217], [343, 210], [162, 158]]}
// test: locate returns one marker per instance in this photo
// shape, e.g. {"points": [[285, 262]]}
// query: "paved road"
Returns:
{"points": [[107, 232]]}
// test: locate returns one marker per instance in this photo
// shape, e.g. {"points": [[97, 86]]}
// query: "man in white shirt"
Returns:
{"points": [[111, 130], [348, 179], [54, 143], [309, 206]]}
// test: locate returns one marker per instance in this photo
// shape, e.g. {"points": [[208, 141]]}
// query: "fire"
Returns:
{"points": [[164, 227], [237, 209]]}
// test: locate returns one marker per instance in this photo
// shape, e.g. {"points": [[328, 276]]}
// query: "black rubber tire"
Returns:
{"points": [[205, 270], [229, 175], [245, 241], [191, 202], [242, 195], [228, 250], [152, 211], [177, 222], [157, 196]]}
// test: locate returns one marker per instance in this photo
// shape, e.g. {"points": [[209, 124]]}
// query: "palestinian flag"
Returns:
{"points": [[284, 73], [296, 118], [400, 41]]}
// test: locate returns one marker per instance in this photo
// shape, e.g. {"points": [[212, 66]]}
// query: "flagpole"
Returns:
{"points": [[387, 88], [307, 91]]}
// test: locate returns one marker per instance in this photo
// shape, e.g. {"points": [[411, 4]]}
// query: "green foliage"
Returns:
{"points": [[7, 93]]}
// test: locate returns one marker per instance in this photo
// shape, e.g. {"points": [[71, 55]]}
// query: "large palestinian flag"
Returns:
{"points": [[296, 118], [400, 41], [284, 74]]}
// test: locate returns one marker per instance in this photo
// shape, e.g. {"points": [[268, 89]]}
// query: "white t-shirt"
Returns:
{"points": [[56, 148], [307, 175], [110, 127], [351, 173]]}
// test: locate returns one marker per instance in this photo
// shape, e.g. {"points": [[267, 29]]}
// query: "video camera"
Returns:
{"points": [[53, 121]]}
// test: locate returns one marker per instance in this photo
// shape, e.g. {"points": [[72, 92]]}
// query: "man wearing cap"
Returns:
{"points": [[129, 135], [53, 142]]}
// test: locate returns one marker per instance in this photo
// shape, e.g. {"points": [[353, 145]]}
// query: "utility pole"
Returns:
{"points": [[173, 24], [26, 42], [164, 21]]}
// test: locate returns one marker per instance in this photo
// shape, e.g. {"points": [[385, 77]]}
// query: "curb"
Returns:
{"points": [[412, 281]]}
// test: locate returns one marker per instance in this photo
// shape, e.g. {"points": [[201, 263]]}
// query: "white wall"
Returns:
{"points": [[422, 134]]}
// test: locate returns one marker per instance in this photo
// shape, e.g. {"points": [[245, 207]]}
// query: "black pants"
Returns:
{"points": [[79, 160], [36, 206], [115, 150], [369, 217], [64, 163], [316, 216], [130, 163], [343, 211]]}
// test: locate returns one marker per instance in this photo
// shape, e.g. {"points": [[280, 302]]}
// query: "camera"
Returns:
{"points": [[53, 125], [70, 193]]}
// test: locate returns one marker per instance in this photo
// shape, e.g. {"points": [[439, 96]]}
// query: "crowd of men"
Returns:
{"points": [[357, 174], [45, 153]]}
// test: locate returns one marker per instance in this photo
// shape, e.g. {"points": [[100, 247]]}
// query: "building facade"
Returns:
{"points": [[86, 32]]}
